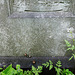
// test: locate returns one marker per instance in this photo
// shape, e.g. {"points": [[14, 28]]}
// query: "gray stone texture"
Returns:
{"points": [[34, 36], [42, 5]]}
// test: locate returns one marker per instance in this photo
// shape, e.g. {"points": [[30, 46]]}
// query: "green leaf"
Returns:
{"points": [[15, 72], [58, 64], [67, 43], [50, 67], [33, 68], [37, 71], [25, 72], [70, 58], [58, 70], [50, 62], [46, 64], [68, 49], [1, 68], [40, 68], [17, 66], [9, 70], [2, 73], [66, 72], [73, 47], [29, 73], [73, 55]]}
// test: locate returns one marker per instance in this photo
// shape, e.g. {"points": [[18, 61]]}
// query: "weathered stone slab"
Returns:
{"points": [[36, 34]]}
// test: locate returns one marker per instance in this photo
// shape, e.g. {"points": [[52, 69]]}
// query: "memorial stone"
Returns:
{"points": [[36, 27]]}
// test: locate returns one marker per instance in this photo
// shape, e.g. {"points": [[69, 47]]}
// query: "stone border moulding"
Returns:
{"points": [[12, 14], [27, 62]]}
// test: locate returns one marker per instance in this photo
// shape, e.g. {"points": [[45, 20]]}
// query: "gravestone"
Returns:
{"points": [[35, 27], [38, 28]]}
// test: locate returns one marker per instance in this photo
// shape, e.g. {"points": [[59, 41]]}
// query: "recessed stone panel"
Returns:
{"points": [[40, 8], [42, 5]]}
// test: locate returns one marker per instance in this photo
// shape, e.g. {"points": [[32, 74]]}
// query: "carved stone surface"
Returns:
{"points": [[40, 8], [41, 5]]}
